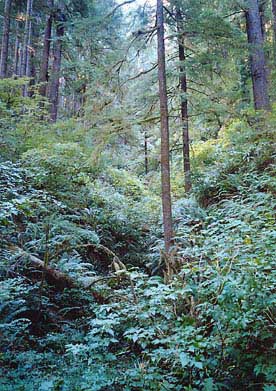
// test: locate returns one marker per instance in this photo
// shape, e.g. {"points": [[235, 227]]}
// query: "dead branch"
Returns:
{"points": [[141, 73], [119, 6]]}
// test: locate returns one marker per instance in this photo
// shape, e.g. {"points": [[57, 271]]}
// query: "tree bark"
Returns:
{"points": [[257, 56], [184, 108], [27, 39], [262, 6], [20, 58], [32, 72], [52, 276], [5, 40], [164, 119], [54, 88], [146, 152], [61, 280], [274, 27], [16, 52], [43, 77]]}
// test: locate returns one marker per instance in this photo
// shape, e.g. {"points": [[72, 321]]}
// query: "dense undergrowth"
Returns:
{"points": [[209, 326]]}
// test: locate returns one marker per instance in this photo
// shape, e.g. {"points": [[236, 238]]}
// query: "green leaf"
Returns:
{"points": [[209, 385], [184, 359]]}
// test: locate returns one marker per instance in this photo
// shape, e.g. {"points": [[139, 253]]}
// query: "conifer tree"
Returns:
{"points": [[164, 119], [43, 77], [184, 103], [16, 51], [57, 53], [5, 39], [257, 55], [27, 39]]}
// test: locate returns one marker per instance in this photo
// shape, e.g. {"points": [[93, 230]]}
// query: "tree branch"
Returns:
{"points": [[234, 13], [141, 73], [119, 6], [169, 12]]}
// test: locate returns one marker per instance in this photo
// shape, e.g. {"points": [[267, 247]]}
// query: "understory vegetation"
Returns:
{"points": [[209, 325]]}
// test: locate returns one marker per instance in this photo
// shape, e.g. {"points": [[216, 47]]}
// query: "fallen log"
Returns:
{"points": [[61, 280], [53, 277]]}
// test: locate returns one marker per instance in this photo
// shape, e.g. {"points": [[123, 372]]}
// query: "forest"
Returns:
{"points": [[137, 195]]}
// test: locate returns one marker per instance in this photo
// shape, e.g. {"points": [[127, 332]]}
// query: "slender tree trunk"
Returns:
{"points": [[262, 6], [5, 40], [164, 119], [54, 88], [25, 65], [20, 58], [29, 54], [32, 72], [262, 9], [257, 56], [16, 52], [146, 153], [27, 39], [84, 94], [43, 77], [184, 108], [274, 27]]}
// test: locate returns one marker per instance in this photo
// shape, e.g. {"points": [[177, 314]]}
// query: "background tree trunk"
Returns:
{"points": [[43, 77], [257, 56], [20, 58], [164, 118], [262, 8], [184, 107], [5, 40], [274, 27], [16, 52], [27, 39], [32, 72], [146, 152], [54, 88]]}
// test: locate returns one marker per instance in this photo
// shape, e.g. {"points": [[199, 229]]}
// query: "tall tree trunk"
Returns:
{"points": [[274, 27], [27, 39], [32, 72], [164, 119], [21, 49], [184, 107], [43, 77], [16, 52], [262, 6], [146, 152], [54, 88], [5, 40], [257, 56]]}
